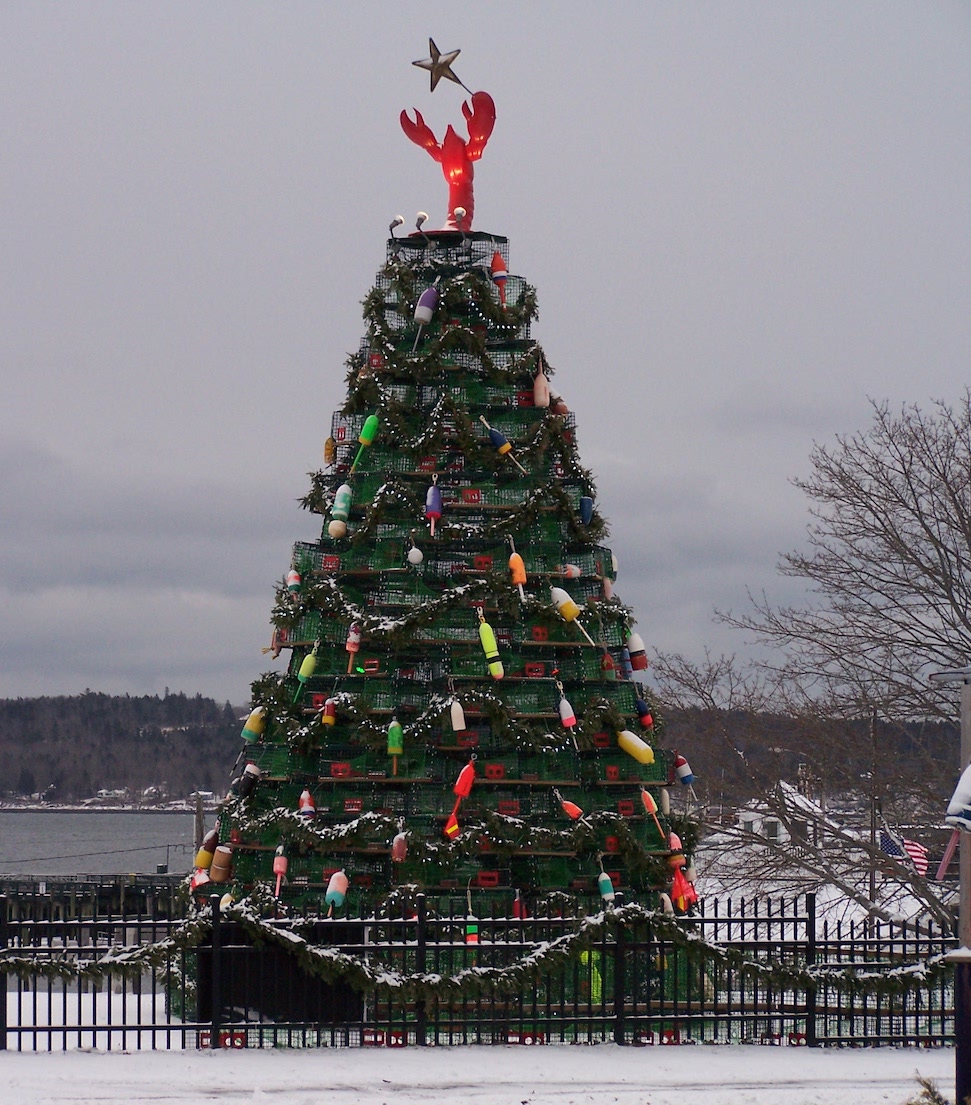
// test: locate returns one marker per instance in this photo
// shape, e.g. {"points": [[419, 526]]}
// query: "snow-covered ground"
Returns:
{"points": [[514, 1075]]}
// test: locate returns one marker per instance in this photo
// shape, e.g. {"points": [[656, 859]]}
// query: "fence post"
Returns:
{"points": [[217, 1001], [810, 962], [4, 941], [421, 938], [620, 976]]}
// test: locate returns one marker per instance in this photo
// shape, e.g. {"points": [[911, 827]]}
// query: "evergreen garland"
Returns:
{"points": [[546, 960]]}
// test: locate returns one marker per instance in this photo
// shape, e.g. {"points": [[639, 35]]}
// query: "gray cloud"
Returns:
{"points": [[741, 221]]}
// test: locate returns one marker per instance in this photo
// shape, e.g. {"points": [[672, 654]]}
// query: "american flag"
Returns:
{"points": [[898, 848]]}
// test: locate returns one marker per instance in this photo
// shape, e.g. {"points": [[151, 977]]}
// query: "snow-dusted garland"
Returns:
{"points": [[546, 958], [507, 836]]}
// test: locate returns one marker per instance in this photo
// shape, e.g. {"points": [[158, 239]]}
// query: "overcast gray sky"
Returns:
{"points": [[742, 220]]}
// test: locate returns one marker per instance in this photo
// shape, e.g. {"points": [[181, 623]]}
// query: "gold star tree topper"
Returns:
{"points": [[440, 65]]}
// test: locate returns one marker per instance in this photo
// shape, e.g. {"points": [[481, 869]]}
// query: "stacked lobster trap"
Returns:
{"points": [[460, 706]]}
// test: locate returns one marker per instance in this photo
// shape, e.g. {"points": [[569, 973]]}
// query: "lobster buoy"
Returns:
{"points": [[306, 810], [557, 404], [517, 569], [307, 668], [293, 581], [683, 893], [586, 510], [352, 644], [491, 649], [330, 452], [519, 910], [638, 654], [399, 847], [254, 726], [425, 307], [567, 716], [541, 388], [328, 714], [676, 858], [200, 876], [222, 864], [396, 743], [569, 571], [207, 850], [650, 808], [336, 891], [244, 786], [433, 504], [457, 715], [634, 746], [571, 809], [565, 606], [463, 784], [605, 886], [340, 511], [644, 713], [415, 556], [369, 431], [683, 771], [625, 663], [279, 868], [396, 738], [499, 275], [501, 444]]}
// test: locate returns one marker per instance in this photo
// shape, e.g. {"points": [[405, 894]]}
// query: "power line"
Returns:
{"points": [[101, 852]]}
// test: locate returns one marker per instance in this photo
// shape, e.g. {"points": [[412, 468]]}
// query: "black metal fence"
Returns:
{"points": [[623, 985]]}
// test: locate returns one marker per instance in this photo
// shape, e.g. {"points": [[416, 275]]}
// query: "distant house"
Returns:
{"points": [[112, 797]]}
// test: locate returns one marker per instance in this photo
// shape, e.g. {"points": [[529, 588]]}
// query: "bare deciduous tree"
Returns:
{"points": [[889, 564], [888, 567]]}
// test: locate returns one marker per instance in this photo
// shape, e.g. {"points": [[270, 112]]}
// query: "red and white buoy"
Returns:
{"points": [[306, 808], [433, 503], [352, 644], [499, 275], [638, 653]]}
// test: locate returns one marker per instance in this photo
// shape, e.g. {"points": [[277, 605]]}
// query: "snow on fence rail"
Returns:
{"points": [[164, 980]]}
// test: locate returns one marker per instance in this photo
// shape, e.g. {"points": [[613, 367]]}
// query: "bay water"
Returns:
{"points": [[95, 842]]}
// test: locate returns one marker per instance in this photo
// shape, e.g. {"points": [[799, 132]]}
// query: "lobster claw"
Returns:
{"points": [[481, 119], [421, 134]]}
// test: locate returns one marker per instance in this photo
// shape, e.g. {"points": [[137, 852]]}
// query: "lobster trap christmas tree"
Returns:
{"points": [[460, 713]]}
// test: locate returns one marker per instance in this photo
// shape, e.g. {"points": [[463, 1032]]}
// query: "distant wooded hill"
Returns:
{"points": [[69, 748]]}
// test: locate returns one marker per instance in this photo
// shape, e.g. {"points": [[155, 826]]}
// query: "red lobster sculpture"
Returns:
{"points": [[454, 155]]}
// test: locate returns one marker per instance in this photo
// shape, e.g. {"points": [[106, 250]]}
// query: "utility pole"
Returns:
{"points": [[961, 956], [871, 783]]}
